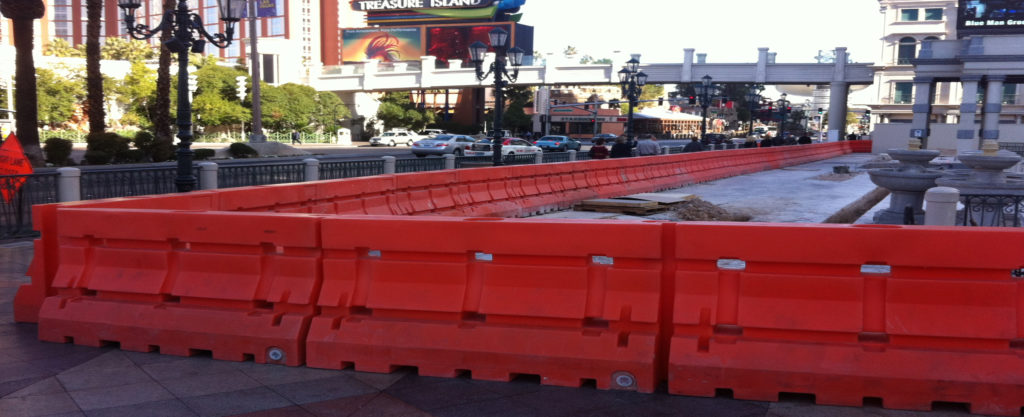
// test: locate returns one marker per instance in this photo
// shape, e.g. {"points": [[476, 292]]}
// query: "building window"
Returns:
{"points": [[1010, 93], [276, 26], [903, 93], [908, 15], [932, 14], [907, 50]]}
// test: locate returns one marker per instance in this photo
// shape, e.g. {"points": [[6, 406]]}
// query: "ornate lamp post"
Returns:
{"points": [[632, 81], [783, 106], [189, 35], [705, 92], [503, 56], [754, 101]]}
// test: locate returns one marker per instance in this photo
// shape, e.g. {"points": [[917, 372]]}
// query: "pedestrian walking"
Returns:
{"points": [[296, 137]]}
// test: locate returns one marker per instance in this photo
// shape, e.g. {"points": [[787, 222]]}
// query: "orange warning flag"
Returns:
{"points": [[12, 162]]}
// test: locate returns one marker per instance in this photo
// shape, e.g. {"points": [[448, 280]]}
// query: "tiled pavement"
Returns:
{"points": [[48, 379]]}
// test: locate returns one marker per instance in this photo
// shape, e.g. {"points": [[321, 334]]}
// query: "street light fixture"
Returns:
{"points": [[706, 91], [754, 101], [189, 36], [783, 105], [632, 82], [503, 57]]}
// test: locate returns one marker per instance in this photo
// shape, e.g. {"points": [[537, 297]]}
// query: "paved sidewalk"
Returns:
{"points": [[49, 379]]}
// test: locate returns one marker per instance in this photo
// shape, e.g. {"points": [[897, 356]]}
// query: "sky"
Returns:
{"points": [[727, 30]]}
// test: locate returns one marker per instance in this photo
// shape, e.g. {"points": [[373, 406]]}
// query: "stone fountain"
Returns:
{"points": [[907, 180], [991, 188]]}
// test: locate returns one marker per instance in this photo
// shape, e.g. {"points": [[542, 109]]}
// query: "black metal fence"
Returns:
{"points": [[18, 193], [419, 164], [230, 176], [991, 210], [348, 169], [126, 182]]}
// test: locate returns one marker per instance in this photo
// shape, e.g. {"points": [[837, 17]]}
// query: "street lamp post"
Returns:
{"points": [[189, 35], [783, 105], [705, 92], [754, 101], [503, 56], [632, 81]]}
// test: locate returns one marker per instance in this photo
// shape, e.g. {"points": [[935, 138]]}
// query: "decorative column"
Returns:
{"points": [[838, 92], [993, 107], [922, 109], [966, 130]]}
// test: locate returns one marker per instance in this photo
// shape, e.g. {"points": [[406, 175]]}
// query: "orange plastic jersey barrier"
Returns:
{"points": [[238, 285], [908, 315], [570, 302]]}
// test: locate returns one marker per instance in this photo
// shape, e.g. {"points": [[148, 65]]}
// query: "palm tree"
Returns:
{"points": [[22, 13], [94, 79], [161, 115]]}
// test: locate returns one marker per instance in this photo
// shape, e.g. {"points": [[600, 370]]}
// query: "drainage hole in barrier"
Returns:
{"points": [[525, 378], [463, 374], [796, 397], [471, 316], [248, 357], [203, 353], [360, 311], [595, 323], [732, 264], [951, 406], [110, 343], [590, 383], [874, 402], [153, 349], [723, 393], [1017, 273]]}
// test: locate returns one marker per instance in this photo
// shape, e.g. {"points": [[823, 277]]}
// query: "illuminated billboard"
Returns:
{"points": [[990, 17], [385, 44], [452, 42]]}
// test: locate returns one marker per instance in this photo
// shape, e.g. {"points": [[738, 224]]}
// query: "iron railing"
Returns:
{"points": [[18, 193], [348, 169], [553, 157], [471, 161], [126, 182], [230, 176], [418, 164], [519, 159], [991, 210]]}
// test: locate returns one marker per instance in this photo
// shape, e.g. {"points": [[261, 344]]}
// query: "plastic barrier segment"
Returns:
{"points": [[239, 285], [569, 301], [849, 312]]}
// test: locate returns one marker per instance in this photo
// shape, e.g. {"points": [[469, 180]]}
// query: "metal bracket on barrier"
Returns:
{"points": [[602, 260], [484, 257], [373, 253], [868, 269], [732, 264]]}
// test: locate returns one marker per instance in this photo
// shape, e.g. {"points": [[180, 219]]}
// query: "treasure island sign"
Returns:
{"points": [[373, 5]]}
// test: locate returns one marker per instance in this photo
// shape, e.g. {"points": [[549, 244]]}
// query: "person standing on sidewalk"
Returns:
{"points": [[621, 149], [647, 146]]}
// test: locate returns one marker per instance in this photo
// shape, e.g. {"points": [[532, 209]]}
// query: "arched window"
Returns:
{"points": [[907, 51]]}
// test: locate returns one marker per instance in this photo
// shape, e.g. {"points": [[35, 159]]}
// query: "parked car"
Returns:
{"points": [[510, 146], [394, 138], [442, 144], [429, 133], [608, 137], [558, 143], [714, 138]]}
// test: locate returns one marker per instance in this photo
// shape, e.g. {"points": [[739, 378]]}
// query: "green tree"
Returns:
{"points": [[61, 48], [215, 102], [288, 107], [136, 92], [329, 110], [57, 97], [570, 52], [160, 110], [398, 110], [127, 49], [515, 118]]}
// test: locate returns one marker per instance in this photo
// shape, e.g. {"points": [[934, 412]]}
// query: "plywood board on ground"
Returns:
{"points": [[661, 198]]}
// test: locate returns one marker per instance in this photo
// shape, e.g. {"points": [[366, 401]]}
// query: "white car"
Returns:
{"points": [[442, 144], [430, 133], [510, 146], [394, 138]]}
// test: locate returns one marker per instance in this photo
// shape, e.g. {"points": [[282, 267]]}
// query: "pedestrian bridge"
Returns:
{"points": [[376, 76]]}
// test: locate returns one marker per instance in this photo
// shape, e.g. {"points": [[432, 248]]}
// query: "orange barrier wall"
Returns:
{"points": [[568, 301], [511, 191], [908, 315]]}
